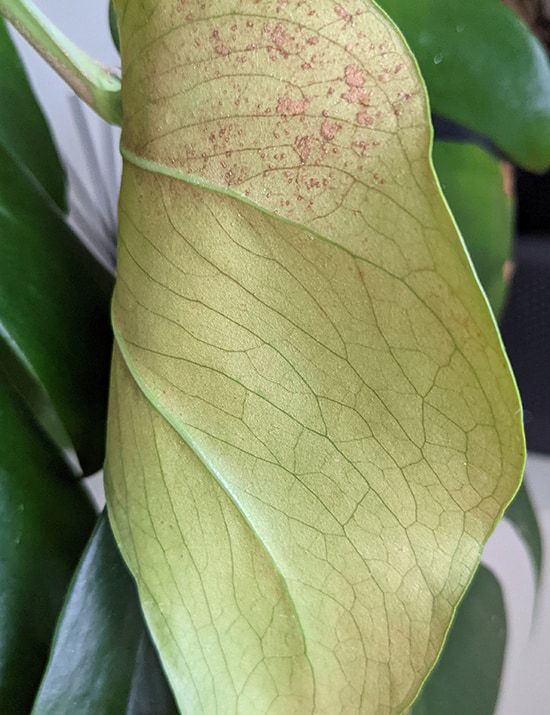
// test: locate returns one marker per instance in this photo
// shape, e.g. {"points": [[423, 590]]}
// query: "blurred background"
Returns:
{"points": [[526, 325]]}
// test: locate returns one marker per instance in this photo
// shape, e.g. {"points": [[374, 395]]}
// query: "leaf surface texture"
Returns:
{"points": [[313, 427]]}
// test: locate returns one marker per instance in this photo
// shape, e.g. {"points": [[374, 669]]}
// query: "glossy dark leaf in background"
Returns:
{"points": [[477, 188], [54, 313], [103, 661], [45, 520], [523, 518], [484, 69], [466, 679], [54, 296], [21, 118]]}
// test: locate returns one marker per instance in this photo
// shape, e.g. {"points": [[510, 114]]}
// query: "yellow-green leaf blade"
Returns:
{"points": [[226, 629], [333, 379]]}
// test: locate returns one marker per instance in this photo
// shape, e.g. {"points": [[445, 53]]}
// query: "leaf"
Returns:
{"points": [[21, 118], [54, 297], [55, 338], [523, 518], [313, 428], [483, 68], [45, 520], [476, 186], [102, 661], [467, 677]]}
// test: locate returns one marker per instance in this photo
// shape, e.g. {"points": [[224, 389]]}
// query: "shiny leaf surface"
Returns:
{"points": [[467, 677], [483, 68], [313, 427], [45, 520], [103, 661], [479, 190], [21, 118], [55, 337], [54, 297], [523, 518]]}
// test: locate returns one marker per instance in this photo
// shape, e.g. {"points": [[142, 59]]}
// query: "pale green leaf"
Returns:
{"points": [[313, 426]]}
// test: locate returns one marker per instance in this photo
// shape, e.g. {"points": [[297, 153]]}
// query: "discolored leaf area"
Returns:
{"points": [[102, 660], [45, 520], [484, 69], [313, 427]]}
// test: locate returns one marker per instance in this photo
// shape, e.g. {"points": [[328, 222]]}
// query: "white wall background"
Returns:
{"points": [[526, 686]]}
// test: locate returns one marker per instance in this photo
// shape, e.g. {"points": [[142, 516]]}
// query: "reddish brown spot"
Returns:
{"points": [[222, 49], [281, 5], [313, 184], [303, 146], [353, 76], [357, 94], [344, 14], [288, 107], [312, 40], [329, 129], [280, 38], [364, 119], [363, 146]]}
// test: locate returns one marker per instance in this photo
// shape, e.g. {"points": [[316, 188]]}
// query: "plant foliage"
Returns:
{"points": [[313, 427]]}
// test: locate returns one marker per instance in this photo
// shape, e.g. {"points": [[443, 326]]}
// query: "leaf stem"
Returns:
{"points": [[97, 85]]}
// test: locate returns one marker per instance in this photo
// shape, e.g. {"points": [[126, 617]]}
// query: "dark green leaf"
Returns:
{"points": [[54, 306], [484, 69], [23, 130], [103, 661], [474, 184], [523, 518], [466, 680], [45, 519]]}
